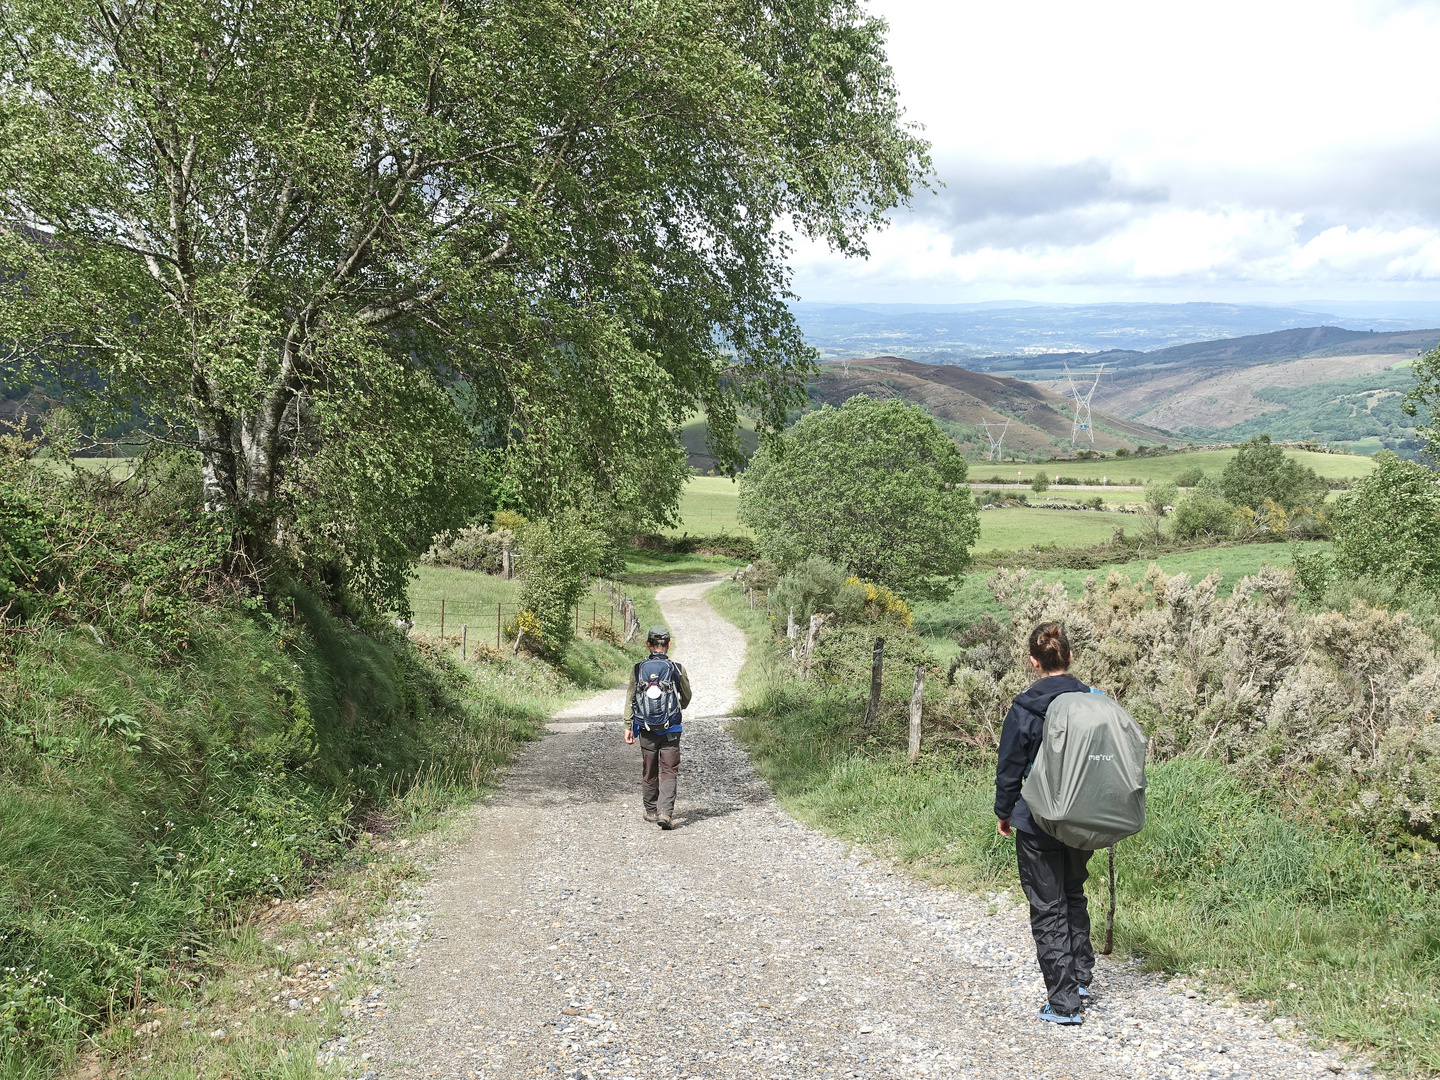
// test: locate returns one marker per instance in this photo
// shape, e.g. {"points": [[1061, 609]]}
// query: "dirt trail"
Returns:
{"points": [[571, 939]]}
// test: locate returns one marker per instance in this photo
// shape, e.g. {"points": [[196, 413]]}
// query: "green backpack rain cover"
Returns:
{"points": [[1087, 786]]}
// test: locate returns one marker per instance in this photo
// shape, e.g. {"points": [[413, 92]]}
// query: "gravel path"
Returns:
{"points": [[567, 938]]}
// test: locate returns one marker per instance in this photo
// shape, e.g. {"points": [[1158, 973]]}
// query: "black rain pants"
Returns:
{"points": [[1053, 877]]}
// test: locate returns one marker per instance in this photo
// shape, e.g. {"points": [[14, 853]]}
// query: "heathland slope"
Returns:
{"points": [[1221, 388], [962, 400]]}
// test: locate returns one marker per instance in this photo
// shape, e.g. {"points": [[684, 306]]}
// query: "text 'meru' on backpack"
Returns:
{"points": [[1087, 786]]}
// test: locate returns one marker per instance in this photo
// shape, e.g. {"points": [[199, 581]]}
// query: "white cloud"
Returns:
{"points": [[1128, 150]]}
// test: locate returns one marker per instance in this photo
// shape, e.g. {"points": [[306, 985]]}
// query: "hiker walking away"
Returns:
{"points": [[658, 690], [1052, 873]]}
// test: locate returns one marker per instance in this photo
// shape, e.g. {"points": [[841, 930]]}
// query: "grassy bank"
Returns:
{"points": [[151, 806], [1309, 921]]}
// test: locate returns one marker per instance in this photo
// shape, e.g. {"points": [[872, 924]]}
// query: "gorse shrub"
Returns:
{"points": [[473, 547], [844, 655], [810, 587], [761, 575], [819, 586], [861, 602], [1340, 708]]}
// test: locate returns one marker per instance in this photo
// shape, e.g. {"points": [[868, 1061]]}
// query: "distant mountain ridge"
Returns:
{"points": [[960, 333], [1298, 343]]}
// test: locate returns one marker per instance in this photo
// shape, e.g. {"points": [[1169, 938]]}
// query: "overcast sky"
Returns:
{"points": [[1242, 151]]}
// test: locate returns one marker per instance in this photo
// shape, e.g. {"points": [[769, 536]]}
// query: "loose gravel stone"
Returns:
{"points": [[568, 938]]}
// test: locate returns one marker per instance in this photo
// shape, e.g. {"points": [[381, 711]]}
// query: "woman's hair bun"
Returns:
{"points": [[1050, 646]]}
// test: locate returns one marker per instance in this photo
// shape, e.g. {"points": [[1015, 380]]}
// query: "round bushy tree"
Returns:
{"points": [[873, 485], [1388, 525], [1261, 470]]}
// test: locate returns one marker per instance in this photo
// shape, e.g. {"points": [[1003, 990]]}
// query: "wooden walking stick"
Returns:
{"points": [[1110, 915]]}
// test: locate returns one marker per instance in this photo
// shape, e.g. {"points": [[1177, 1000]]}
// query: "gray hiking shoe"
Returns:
{"points": [[664, 822], [1049, 1013], [652, 816]]}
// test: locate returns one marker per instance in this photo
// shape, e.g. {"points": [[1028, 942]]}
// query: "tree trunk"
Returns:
{"points": [[877, 663]]}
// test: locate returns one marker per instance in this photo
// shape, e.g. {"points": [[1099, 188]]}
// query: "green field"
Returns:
{"points": [[1168, 466], [1012, 528], [479, 601], [708, 506], [470, 598]]}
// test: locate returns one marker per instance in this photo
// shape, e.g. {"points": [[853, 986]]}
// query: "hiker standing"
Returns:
{"points": [[1051, 873], [658, 690]]}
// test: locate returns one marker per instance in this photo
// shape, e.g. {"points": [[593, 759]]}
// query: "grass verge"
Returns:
{"points": [[1314, 923], [156, 819]]}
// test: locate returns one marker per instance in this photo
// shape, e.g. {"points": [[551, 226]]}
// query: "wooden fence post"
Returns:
{"points": [[816, 621], [1110, 915], [464, 640], [917, 700], [442, 618], [877, 664], [506, 570], [499, 617]]}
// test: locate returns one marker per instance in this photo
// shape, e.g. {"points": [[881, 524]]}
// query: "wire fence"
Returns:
{"points": [[466, 623]]}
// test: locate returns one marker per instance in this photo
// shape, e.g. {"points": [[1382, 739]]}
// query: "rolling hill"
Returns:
{"points": [[961, 400], [1323, 382]]}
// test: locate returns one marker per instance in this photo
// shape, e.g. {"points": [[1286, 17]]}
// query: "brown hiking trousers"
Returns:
{"points": [[659, 770]]}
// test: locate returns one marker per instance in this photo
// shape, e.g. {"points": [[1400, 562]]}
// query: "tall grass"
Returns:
{"points": [[147, 807], [1313, 922]]}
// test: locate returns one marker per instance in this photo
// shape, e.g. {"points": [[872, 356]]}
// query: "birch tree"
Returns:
{"points": [[384, 264]]}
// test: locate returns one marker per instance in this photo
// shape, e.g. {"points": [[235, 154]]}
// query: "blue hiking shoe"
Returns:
{"points": [[1085, 995], [1049, 1013]]}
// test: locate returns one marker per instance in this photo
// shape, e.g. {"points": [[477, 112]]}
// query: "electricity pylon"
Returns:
{"points": [[995, 443], [1082, 408]]}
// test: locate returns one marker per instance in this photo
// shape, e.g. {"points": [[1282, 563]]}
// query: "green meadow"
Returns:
{"points": [[1166, 467]]}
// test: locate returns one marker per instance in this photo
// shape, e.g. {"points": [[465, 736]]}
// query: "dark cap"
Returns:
{"points": [[658, 633]]}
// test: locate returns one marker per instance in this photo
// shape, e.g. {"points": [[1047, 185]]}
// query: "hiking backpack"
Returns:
{"points": [[1087, 786], [657, 693]]}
